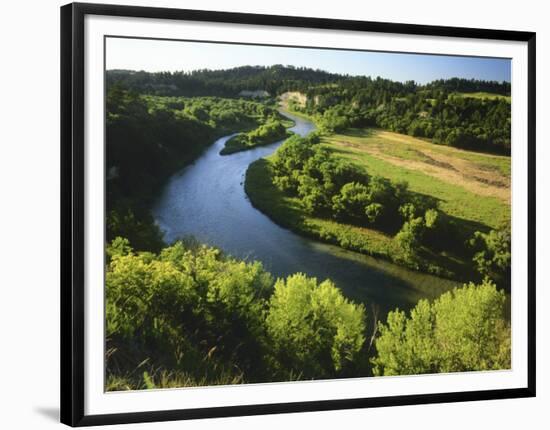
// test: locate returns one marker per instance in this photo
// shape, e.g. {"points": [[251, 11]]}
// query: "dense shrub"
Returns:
{"points": [[188, 309], [314, 330], [192, 314], [492, 254], [463, 330]]}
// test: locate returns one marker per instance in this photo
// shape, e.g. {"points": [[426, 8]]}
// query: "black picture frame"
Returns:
{"points": [[72, 211]]}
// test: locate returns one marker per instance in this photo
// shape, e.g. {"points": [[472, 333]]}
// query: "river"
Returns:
{"points": [[207, 200]]}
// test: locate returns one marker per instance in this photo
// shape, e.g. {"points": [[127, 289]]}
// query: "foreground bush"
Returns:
{"points": [[315, 331], [192, 316], [463, 330], [188, 309]]}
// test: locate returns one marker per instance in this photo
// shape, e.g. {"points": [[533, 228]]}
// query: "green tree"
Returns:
{"points": [[373, 212], [315, 331], [463, 330], [493, 254], [410, 237], [351, 202]]}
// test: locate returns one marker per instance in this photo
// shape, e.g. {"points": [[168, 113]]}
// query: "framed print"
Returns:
{"points": [[269, 214]]}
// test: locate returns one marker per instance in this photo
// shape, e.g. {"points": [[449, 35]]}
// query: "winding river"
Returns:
{"points": [[207, 200]]}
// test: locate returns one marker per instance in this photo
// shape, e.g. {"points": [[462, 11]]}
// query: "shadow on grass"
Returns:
{"points": [[359, 132]]}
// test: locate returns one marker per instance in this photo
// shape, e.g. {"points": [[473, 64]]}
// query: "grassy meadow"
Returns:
{"points": [[469, 185]]}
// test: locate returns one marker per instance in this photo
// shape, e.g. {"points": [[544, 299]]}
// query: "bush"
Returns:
{"points": [[492, 254], [191, 315], [410, 237], [314, 330], [463, 330], [188, 309]]}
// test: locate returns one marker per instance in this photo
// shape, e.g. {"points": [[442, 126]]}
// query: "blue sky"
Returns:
{"points": [[161, 55]]}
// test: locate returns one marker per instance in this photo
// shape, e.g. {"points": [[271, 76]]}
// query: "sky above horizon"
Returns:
{"points": [[164, 55]]}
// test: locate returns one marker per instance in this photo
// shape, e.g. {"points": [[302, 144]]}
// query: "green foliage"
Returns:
{"points": [[492, 254], [351, 201], [314, 330], [191, 315], [465, 113], [307, 217], [410, 237], [331, 187], [463, 330], [190, 309], [145, 234], [269, 132], [432, 218], [274, 79], [432, 111]]}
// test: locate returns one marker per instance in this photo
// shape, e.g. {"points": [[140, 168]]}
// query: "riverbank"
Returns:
{"points": [[301, 115]]}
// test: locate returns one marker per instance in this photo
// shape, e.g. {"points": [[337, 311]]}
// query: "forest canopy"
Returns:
{"points": [[437, 110]]}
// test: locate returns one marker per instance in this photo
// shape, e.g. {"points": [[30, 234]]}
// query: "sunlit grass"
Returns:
{"points": [[367, 148], [482, 95]]}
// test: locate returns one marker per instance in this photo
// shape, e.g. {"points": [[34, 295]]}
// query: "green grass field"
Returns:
{"points": [[472, 189], [471, 186], [483, 95]]}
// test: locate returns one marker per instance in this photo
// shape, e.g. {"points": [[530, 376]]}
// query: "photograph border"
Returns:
{"points": [[72, 211]]}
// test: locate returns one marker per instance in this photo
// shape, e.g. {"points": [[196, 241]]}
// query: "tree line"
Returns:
{"points": [[429, 112], [275, 80], [470, 86]]}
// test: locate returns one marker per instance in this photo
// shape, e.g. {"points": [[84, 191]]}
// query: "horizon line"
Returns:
{"points": [[347, 75]]}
